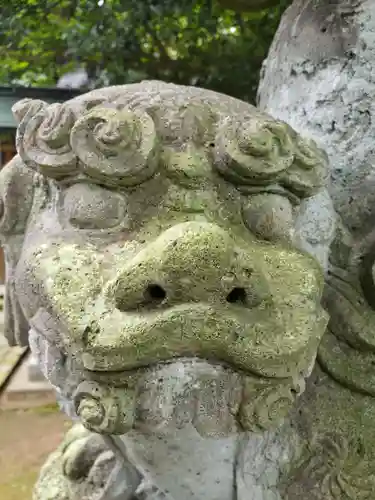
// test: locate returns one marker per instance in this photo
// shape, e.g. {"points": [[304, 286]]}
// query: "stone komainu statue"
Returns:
{"points": [[165, 246]]}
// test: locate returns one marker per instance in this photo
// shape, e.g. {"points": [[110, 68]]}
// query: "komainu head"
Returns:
{"points": [[158, 251]]}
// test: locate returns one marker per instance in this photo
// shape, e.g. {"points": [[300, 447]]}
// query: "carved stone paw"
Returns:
{"points": [[85, 455], [83, 468]]}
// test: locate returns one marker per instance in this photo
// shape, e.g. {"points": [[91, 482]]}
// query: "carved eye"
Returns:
{"points": [[269, 216], [87, 206]]}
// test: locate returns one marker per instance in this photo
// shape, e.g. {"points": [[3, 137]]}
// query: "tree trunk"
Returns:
{"points": [[320, 78]]}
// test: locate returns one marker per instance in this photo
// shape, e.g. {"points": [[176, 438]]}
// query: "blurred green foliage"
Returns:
{"points": [[196, 42]]}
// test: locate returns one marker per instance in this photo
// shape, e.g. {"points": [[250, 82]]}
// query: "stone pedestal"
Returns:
{"points": [[33, 370]]}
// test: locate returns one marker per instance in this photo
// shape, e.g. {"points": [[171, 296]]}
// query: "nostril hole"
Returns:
{"points": [[237, 296], [155, 293]]}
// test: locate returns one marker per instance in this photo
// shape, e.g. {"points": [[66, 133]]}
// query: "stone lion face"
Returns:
{"points": [[160, 235]]}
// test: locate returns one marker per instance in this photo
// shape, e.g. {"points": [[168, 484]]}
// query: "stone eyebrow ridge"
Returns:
{"points": [[118, 138]]}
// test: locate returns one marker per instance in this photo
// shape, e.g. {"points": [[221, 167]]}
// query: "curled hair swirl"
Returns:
{"points": [[115, 145]]}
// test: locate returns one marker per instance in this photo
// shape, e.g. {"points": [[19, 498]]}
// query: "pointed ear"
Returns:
{"points": [[16, 200]]}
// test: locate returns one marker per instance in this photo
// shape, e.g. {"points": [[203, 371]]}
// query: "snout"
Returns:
{"points": [[191, 262], [196, 290]]}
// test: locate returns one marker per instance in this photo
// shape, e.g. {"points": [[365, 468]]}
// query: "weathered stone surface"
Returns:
{"points": [[172, 290], [319, 78]]}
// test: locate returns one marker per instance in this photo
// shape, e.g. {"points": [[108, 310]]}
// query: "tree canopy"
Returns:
{"points": [[196, 42]]}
